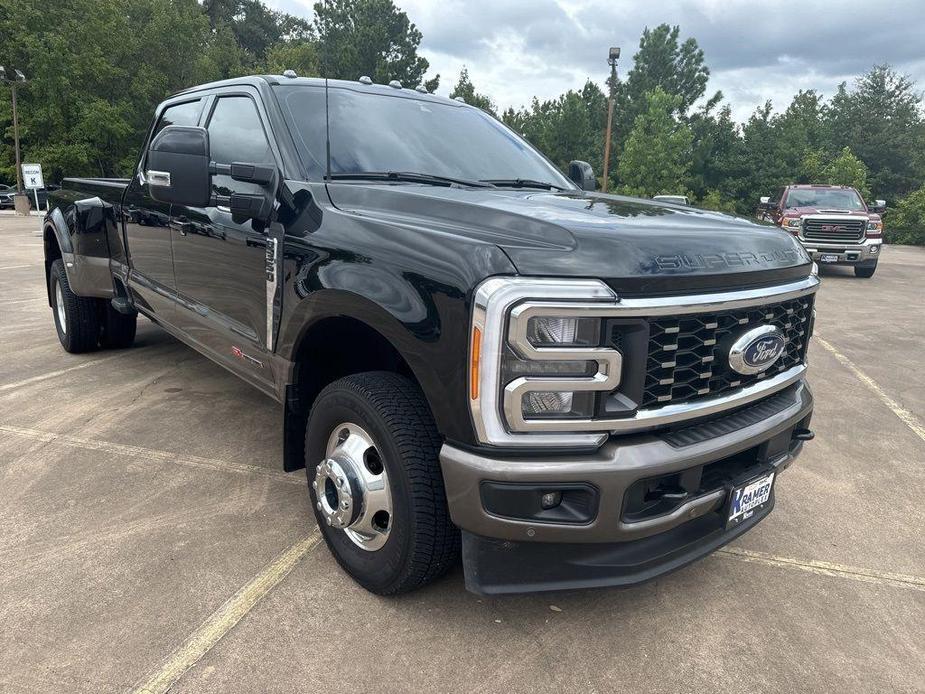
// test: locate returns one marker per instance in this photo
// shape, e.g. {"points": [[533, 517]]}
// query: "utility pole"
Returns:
{"points": [[15, 80], [16, 140], [612, 58]]}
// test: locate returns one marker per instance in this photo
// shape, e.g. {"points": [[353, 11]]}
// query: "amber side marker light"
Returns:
{"points": [[474, 365]]}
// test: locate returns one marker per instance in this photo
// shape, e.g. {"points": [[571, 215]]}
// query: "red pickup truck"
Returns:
{"points": [[833, 223]]}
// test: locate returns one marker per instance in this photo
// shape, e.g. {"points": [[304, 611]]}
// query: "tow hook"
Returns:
{"points": [[803, 434]]}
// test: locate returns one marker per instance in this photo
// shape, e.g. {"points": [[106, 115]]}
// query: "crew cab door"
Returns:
{"points": [[220, 261], [147, 229]]}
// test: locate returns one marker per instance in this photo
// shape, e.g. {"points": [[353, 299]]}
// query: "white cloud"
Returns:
{"points": [[518, 49]]}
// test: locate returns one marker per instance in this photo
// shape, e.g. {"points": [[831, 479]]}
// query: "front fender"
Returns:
{"points": [[416, 296]]}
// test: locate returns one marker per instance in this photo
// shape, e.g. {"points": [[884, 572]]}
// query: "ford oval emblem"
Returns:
{"points": [[755, 350]]}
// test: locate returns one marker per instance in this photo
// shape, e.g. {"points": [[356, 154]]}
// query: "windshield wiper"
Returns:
{"points": [[522, 183], [410, 177]]}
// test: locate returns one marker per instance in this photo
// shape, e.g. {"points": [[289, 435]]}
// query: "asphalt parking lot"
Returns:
{"points": [[150, 542]]}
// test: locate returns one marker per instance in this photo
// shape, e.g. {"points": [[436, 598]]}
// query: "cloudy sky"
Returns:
{"points": [[517, 49]]}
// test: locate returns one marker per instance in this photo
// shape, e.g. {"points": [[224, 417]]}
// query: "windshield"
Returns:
{"points": [[824, 198], [390, 133]]}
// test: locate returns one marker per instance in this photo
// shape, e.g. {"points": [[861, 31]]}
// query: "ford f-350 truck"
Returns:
{"points": [[834, 224], [475, 355]]}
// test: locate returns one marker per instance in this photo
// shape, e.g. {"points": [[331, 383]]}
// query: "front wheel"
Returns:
{"points": [[371, 450]]}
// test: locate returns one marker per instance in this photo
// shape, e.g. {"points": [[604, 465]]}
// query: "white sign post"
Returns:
{"points": [[32, 180]]}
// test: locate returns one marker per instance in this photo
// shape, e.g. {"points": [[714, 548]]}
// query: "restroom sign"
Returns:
{"points": [[32, 176]]}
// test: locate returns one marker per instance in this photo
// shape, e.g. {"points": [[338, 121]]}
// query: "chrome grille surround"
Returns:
{"points": [[828, 228], [496, 297]]}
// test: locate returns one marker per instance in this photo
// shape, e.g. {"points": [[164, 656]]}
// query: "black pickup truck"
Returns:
{"points": [[474, 354]]}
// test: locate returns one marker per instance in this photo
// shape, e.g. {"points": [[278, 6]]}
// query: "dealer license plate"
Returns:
{"points": [[828, 258], [749, 498]]}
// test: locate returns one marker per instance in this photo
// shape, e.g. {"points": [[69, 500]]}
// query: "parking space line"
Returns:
{"points": [[153, 454], [824, 568], [16, 267], [223, 620], [55, 374], [907, 417]]}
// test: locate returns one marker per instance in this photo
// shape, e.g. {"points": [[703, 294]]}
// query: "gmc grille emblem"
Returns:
{"points": [[831, 227]]}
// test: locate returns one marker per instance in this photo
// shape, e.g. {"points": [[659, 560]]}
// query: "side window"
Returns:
{"points": [[236, 134], [186, 113], [778, 196]]}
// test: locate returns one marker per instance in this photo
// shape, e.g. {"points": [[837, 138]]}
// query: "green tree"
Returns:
{"points": [[906, 222], [717, 159], [714, 200], [657, 156], [799, 135], [566, 128], [369, 37], [878, 119], [466, 90], [97, 68], [662, 62], [847, 170], [256, 28], [301, 56]]}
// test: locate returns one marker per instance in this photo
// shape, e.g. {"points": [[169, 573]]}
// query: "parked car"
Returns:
{"points": [[833, 223], [673, 199], [6, 196], [469, 349]]}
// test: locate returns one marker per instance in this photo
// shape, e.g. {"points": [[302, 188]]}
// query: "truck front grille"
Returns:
{"points": [[834, 230], [687, 354]]}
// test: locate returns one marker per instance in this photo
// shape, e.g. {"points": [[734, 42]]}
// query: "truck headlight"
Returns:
{"points": [[535, 368], [874, 226], [793, 223]]}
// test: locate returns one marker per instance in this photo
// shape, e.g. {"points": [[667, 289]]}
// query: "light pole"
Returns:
{"points": [[612, 58], [14, 81]]}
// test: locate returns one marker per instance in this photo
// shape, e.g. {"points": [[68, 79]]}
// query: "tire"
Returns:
{"points": [[80, 329], [118, 329], [865, 272], [421, 543]]}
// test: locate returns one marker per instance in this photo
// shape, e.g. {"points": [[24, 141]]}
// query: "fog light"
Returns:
{"points": [[551, 499], [875, 249]]}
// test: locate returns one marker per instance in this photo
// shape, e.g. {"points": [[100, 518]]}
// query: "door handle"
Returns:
{"points": [[181, 225]]}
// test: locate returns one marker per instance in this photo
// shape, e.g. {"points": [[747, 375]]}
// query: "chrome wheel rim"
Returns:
{"points": [[59, 307], [351, 488]]}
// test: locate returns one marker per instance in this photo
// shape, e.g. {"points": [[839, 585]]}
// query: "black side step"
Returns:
{"points": [[123, 305]]}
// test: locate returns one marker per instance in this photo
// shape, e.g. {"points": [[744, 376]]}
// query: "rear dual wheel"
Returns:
{"points": [[85, 323], [374, 478]]}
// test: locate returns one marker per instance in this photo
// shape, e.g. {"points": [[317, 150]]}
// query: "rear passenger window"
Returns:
{"points": [[236, 135], [186, 113]]}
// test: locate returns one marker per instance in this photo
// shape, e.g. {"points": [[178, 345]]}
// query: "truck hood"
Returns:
{"points": [[636, 245]]}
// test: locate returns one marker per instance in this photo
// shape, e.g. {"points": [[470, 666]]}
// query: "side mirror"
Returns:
{"points": [[582, 175], [178, 166], [764, 200], [878, 206]]}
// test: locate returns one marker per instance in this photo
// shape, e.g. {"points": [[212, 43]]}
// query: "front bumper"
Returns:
{"points": [[865, 253], [504, 554]]}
